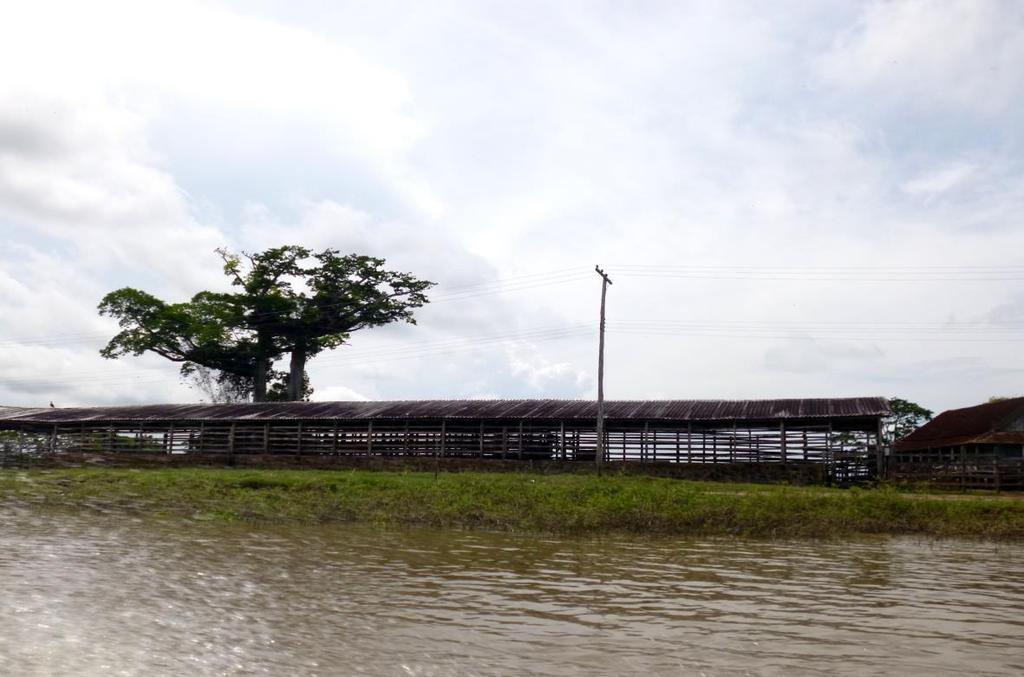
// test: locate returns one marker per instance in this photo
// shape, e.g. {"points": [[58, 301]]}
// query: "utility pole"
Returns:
{"points": [[599, 454]]}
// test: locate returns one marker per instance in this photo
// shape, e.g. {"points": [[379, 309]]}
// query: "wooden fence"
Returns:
{"points": [[962, 471], [848, 458]]}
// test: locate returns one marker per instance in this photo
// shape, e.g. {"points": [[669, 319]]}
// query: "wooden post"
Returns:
{"points": [[830, 464], [298, 440], [53, 439], [444, 434], [677, 445], [504, 441], [520, 443], [880, 451], [643, 441], [599, 451], [405, 436], [170, 439], [963, 466], [732, 444], [689, 442], [369, 437], [266, 438], [481, 439], [782, 437], [202, 437], [231, 440], [561, 437]]}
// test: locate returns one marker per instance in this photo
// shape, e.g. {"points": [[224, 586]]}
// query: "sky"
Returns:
{"points": [[792, 199]]}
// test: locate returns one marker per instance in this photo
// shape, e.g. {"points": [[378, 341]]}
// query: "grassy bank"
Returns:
{"points": [[520, 502]]}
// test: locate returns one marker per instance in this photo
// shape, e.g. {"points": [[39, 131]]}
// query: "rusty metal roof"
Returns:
{"points": [[674, 410], [980, 424]]}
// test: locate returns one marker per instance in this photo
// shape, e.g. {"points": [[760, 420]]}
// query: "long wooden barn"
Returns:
{"points": [[832, 431], [973, 447]]}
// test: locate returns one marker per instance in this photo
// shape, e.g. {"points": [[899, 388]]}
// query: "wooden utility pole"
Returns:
{"points": [[599, 453]]}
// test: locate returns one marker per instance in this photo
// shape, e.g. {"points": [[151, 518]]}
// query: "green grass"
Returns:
{"points": [[581, 504]]}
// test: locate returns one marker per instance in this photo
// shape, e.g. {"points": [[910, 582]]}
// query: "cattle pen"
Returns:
{"points": [[836, 440]]}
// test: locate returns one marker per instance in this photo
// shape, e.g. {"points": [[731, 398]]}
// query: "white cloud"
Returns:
{"points": [[940, 180], [925, 53], [471, 145]]}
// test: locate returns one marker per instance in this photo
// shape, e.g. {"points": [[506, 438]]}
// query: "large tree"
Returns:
{"points": [[267, 298], [339, 294], [289, 300]]}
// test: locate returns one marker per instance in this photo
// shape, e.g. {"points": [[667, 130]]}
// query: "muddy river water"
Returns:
{"points": [[113, 595]]}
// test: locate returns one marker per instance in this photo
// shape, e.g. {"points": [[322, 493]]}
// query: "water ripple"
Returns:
{"points": [[103, 595]]}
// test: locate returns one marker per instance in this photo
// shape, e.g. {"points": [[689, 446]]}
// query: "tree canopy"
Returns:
{"points": [[338, 294], [289, 300], [906, 418], [197, 333]]}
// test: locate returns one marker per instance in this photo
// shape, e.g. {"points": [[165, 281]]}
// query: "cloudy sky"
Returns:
{"points": [[793, 199]]}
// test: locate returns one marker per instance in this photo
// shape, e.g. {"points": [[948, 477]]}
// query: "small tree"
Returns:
{"points": [[906, 418]]}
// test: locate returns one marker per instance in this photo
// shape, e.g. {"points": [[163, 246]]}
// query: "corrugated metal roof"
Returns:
{"points": [[963, 426], [676, 410]]}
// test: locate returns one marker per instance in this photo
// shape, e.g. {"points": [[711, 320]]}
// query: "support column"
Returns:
{"points": [[732, 443], [644, 451], [689, 442], [880, 449], [782, 440], [561, 437]]}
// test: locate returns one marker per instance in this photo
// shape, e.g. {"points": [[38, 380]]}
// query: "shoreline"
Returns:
{"points": [[517, 502]]}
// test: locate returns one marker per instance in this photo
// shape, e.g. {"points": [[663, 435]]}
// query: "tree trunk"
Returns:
{"points": [[259, 380], [296, 370]]}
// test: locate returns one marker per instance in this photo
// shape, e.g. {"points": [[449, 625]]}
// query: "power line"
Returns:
{"points": [[371, 355], [458, 293], [528, 281]]}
